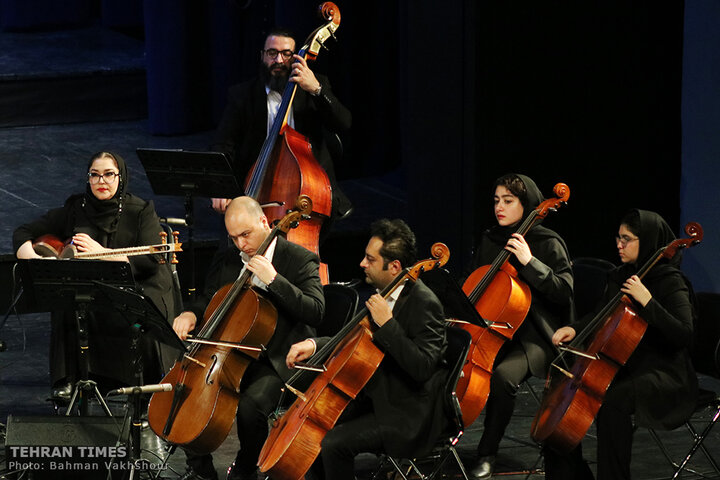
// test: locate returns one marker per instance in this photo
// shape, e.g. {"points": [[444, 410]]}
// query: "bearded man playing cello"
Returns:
{"points": [[289, 276], [399, 411]]}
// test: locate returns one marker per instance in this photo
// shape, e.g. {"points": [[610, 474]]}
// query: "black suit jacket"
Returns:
{"points": [[243, 128], [296, 293], [406, 390]]}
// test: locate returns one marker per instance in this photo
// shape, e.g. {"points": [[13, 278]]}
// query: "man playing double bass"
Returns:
{"points": [[252, 106], [400, 410], [288, 274]]}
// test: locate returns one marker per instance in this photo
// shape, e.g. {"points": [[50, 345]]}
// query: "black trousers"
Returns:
{"points": [[614, 440], [615, 431], [357, 431], [260, 393], [509, 372]]}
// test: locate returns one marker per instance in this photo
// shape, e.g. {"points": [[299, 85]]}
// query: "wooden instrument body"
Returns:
{"points": [[212, 381], [571, 403], [505, 302], [51, 246], [293, 170], [308, 420], [351, 359]]}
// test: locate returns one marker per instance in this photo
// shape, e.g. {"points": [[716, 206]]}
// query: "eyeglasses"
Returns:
{"points": [[624, 240], [273, 53], [108, 177]]}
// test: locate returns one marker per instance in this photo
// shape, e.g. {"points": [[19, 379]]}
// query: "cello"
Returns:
{"points": [[238, 322], [573, 395], [503, 301], [350, 359], [286, 167]]}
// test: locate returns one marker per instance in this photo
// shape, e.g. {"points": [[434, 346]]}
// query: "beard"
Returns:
{"points": [[275, 76]]}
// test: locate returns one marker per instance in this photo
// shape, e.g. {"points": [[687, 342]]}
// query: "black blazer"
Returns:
{"points": [[243, 128], [296, 293], [406, 390]]}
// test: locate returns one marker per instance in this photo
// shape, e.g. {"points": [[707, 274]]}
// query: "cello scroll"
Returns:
{"points": [[562, 191], [440, 256]]}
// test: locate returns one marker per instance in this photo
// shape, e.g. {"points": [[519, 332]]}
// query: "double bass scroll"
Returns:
{"points": [[286, 166]]}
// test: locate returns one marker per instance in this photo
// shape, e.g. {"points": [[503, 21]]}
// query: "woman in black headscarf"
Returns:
{"points": [[542, 261], [105, 216], [658, 384]]}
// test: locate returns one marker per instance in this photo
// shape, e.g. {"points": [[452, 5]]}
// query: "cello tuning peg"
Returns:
{"points": [[305, 216]]}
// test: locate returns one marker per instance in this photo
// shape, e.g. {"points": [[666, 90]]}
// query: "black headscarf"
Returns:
{"points": [[653, 233], [105, 214], [500, 234]]}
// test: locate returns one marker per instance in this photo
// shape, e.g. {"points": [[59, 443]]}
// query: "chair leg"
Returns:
{"points": [[397, 467], [699, 445], [460, 463]]}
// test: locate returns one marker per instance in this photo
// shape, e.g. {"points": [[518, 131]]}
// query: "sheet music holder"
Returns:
{"points": [[139, 309], [71, 285], [454, 301], [187, 173], [182, 172], [59, 284]]}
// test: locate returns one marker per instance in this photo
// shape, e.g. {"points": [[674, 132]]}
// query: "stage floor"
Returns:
{"points": [[24, 391]]}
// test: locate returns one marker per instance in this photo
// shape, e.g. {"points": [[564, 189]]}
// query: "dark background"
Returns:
{"points": [[447, 96]]}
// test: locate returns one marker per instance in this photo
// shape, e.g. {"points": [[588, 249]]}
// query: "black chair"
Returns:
{"points": [[706, 360], [590, 281], [341, 301], [457, 350]]}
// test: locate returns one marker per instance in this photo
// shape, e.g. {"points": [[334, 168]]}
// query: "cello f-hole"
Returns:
{"points": [[210, 378]]}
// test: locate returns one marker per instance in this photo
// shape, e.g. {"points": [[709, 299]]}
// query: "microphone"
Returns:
{"points": [[160, 387]]}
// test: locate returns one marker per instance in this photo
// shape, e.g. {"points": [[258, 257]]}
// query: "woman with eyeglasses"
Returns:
{"points": [[105, 216], [657, 386], [542, 261]]}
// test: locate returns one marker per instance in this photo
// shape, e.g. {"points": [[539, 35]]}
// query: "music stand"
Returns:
{"points": [[454, 301], [70, 284], [145, 318], [189, 174]]}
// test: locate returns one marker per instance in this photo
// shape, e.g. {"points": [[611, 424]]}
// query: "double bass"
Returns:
{"points": [[238, 322], [286, 167], [348, 362], [573, 395], [503, 301]]}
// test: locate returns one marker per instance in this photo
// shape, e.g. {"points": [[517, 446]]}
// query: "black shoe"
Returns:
{"points": [[234, 474], [483, 467], [191, 474], [62, 392]]}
